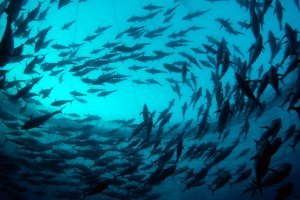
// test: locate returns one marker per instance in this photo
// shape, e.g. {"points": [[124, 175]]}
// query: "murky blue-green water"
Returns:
{"points": [[140, 99]]}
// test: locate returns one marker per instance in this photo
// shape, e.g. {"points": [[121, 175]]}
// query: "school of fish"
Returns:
{"points": [[241, 140]]}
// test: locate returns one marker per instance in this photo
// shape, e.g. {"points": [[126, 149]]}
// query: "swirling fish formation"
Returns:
{"points": [[136, 158]]}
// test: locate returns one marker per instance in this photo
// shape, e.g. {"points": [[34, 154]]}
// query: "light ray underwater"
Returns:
{"points": [[149, 99]]}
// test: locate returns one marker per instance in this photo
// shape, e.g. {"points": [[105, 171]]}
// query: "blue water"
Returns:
{"points": [[57, 159]]}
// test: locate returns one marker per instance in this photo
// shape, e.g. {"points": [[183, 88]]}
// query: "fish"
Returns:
{"points": [[254, 23], [151, 7], [242, 177], [274, 45], [67, 25], [264, 81], [292, 66], [145, 113], [223, 117], [266, 6], [220, 181], [243, 153], [165, 120], [277, 174], [274, 79], [191, 94], [35, 122], [34, 13], [149, 126], [271, 131], [179, 148], [129, 170], [184, 108], [77, 94], [296, 140], [190, 16], [25, 90], [171, 10], [61, 102], [42, 15], [173, 68], [246, 89], [184, 70], [279, 12], [7, 42], [99, 187], [154, 71], [262, 161], [14, 7], [255, 50], [162, 175], [46, 92], [63, 3], [220, 52], [225, 65], [245, 128]]}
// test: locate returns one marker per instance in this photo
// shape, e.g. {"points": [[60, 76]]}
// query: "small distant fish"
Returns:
{"points": [[151, 7], [61, 102], [195, 14], [67, 25]]}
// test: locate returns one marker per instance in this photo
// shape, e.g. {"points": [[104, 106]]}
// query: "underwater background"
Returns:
{"points": [[140, 99]]}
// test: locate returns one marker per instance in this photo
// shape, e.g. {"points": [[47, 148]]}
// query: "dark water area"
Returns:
{"points": [[140, 99]]}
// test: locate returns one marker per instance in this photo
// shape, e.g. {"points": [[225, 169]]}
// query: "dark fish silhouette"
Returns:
{"points": [[244, 86], [7, 43], [25, 90], [63, 3], [35, 122]]}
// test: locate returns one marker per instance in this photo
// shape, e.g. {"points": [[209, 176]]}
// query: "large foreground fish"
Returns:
{"points": [[38, 121]]}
